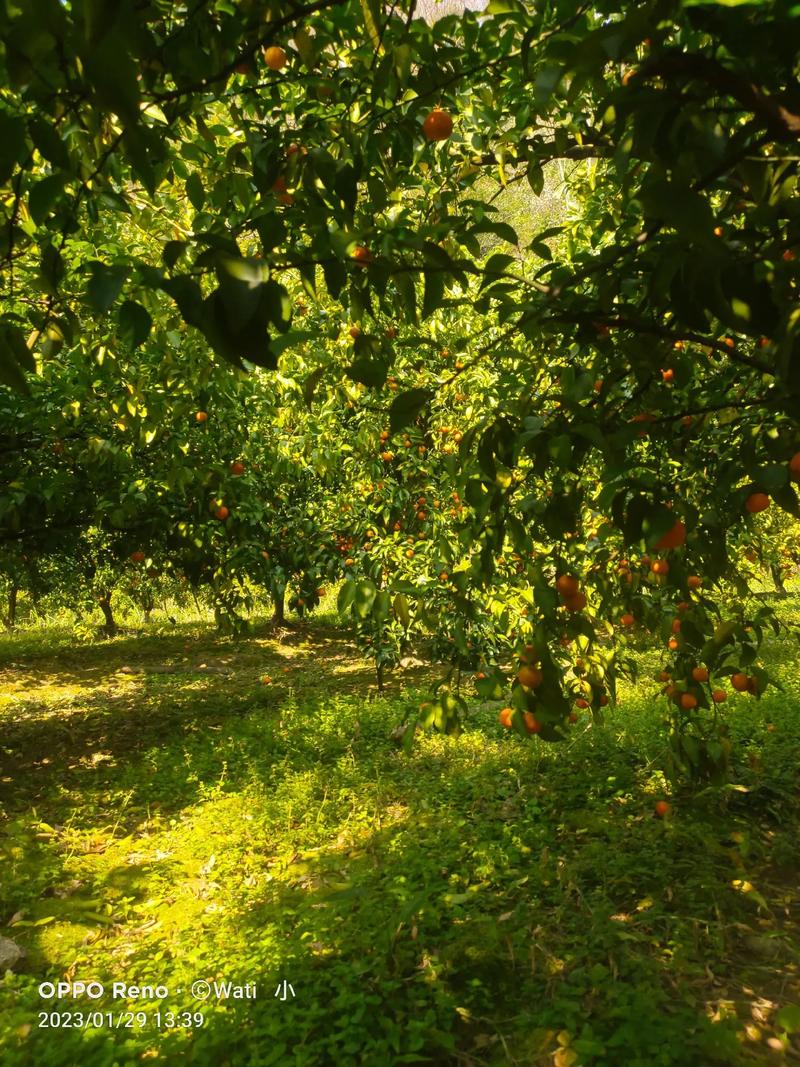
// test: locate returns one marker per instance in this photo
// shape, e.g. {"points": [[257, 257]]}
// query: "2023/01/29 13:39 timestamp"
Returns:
{"points": [[125, 1020]]}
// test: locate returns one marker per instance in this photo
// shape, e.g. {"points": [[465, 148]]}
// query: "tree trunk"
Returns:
{"points": [[11, 620], [148, 603], [777, 578], [108, 615], [279, 608]]}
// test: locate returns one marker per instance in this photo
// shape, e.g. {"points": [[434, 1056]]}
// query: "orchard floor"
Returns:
{"points": [[168, 818]]}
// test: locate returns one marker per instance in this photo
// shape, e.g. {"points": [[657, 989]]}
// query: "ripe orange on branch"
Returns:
{"points": [[663, 807], [362, 254], [576, 602], [531, 723], [673, 538], [794, 466], [530, 677], [567, 585], [700, 674], [719, 695], [688, 701], [504, 718], [757, 502], [627, 619], [438, 125], [138, 556], [739, 681], [694, 581], [275, 57], [222, 513], [201, 416]]}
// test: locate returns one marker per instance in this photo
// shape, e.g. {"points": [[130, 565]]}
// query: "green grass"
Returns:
{"points": [[483, 901]]}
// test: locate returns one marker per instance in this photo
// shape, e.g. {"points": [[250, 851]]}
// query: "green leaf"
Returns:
{"points": [[110, 67], [311, 383], [382, 605], [406, 407], [49, 144], [105, 284], [364, 598], [788, 1018], [371, 11], [433, 292], [135, 323], [195, 191], [15, 359], [12, 144], [43, 195], [346, 596], [401, 609]]}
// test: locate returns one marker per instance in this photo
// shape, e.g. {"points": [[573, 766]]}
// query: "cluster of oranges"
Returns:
{"points": [[741, 682], [569, 589]]}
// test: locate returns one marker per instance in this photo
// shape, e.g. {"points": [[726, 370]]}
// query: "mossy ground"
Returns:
{"points": [[484, 901]]}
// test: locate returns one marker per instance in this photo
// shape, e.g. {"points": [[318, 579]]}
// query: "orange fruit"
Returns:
{"points": [[718, 231], [530, 677], [664, 676], [504, 718], [627, 619], [438, 125], [603, 701], [676, 626], [673, 643], [237, 467], [281, 192], [362, 254], [201, 416], [683, 606], [659, 566], [387, 457], [349, 562], [575, 603], [531, 724], [667, 374], [757, 502], [674, 537], [567, 585], [222, 513], [694, 581], [688, 701], [354, 332], [739, 681], [582, 703], [573, 716], [409, 553], [787, 255], [700, 674], [719, 695], [663, 807], [275, 57], [794, 467], [266, 679]]}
